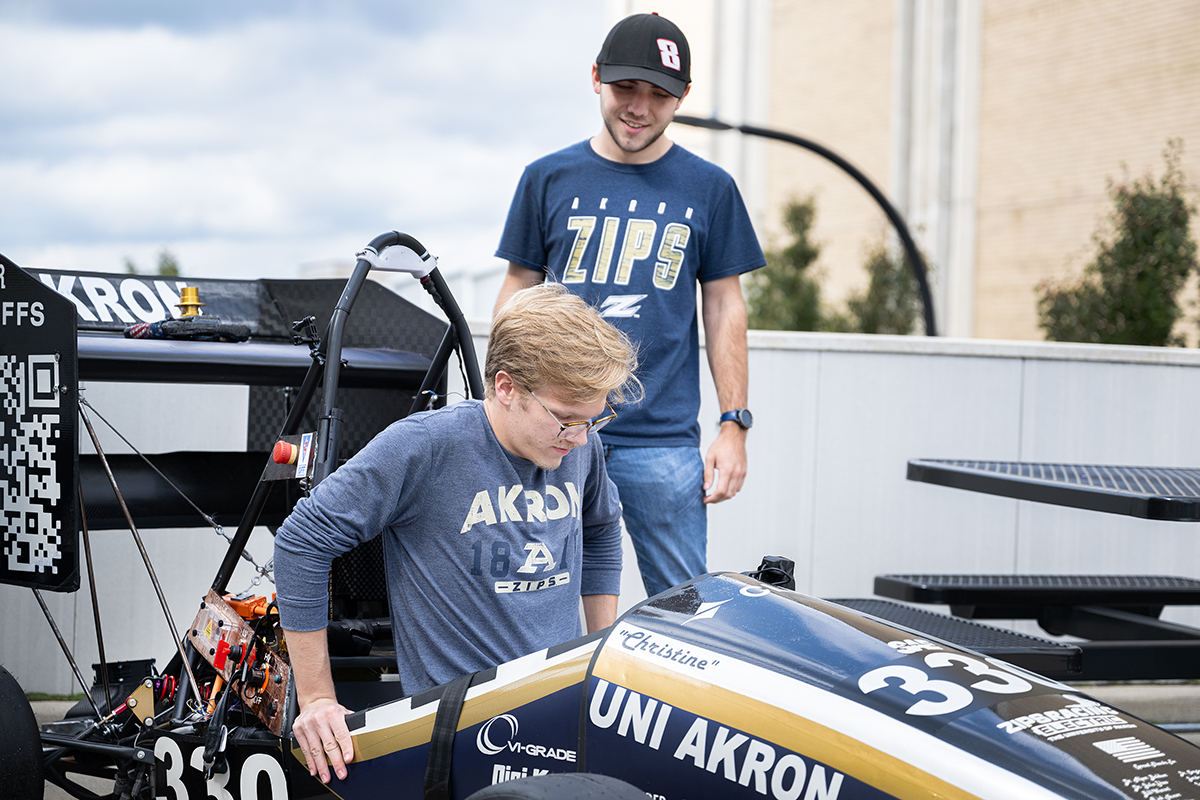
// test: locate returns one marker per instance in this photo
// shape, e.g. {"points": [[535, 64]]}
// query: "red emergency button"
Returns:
{"points": [[285, 453]]}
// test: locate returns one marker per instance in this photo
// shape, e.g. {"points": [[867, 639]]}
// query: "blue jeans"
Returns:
{"points": [[663, 505]]}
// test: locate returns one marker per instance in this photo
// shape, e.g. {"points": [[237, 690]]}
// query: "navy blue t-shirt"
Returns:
{"points": [[634, 240]]}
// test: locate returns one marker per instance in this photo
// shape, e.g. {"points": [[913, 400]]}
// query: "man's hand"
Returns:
{"points": [[321, 732], [727, 459], [320, 728]]}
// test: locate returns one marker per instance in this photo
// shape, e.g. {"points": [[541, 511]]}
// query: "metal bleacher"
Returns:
{"points": [[1116, 614], [1116, 617], [1044, 656]]}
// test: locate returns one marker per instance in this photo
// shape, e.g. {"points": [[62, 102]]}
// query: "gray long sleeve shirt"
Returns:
{"points": [[486, 553]]}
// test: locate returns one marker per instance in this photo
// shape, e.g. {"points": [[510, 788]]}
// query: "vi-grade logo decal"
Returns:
{"points": [[499, 734], [483, 738]]}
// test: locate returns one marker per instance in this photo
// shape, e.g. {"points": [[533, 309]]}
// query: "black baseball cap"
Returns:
{"points": [[647, 47]]}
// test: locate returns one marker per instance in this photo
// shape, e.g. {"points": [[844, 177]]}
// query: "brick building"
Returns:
{"points": [[994, 125]]}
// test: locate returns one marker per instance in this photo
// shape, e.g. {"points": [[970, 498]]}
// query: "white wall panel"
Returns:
{"points": [[164, 418], [877, 412], [773, 514]]}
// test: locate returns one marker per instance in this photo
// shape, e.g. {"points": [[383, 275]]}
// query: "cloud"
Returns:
{"points": [[252, 141]]}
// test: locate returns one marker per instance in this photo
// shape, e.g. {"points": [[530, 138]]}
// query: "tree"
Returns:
{"points": [[891, 302], [167, 264], [785, 295], [1128, 294]]}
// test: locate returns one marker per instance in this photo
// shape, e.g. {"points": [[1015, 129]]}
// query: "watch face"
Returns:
{"points": [[745, 418]]}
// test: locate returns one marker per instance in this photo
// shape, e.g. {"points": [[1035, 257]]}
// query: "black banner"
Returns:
{"points": [[113, 302], [39, 447]]}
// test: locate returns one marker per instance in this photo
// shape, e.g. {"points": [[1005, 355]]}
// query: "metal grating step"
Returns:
{"points": [[1043, 656], [1110, 591], [1164, 493]]}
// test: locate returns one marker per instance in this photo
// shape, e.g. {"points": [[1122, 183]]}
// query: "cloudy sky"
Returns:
{"points": [[249, 138]]}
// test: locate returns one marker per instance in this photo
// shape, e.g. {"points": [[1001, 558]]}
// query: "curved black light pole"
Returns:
{"points": [[910, 247]]}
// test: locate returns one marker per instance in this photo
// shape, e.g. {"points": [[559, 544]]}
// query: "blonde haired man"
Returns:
{"points": [[497, 516]]}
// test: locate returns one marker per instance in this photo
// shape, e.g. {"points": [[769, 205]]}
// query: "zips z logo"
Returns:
{"points": [[670, 54], [621, 305]]}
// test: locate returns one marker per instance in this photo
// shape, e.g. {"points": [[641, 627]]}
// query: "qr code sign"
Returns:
{"points": [[30, 433]]}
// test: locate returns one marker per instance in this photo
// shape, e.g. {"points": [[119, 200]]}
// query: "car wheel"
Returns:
{"points": [[562, 786], [21, 776]]}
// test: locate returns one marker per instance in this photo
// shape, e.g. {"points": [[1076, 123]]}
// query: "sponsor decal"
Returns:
{"points": [[1082, 716], [112, 302], [502, 773], [707, 745], [499, 735], [483, 739], [1136, 758]]}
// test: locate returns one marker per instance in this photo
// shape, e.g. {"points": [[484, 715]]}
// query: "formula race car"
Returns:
{"points": [[730, 685]]}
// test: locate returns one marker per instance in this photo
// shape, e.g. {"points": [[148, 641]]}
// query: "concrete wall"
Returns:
{"points": [[837, 419]]}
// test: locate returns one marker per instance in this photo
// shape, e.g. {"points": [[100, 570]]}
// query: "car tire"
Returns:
{"points": [[562, 786], [21, 776]]}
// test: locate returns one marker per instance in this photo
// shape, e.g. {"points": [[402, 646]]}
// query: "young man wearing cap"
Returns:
{"points": [[496, 517], [632, 222]]}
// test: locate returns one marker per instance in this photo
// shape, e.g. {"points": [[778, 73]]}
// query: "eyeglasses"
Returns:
{"points": [[569, 430]]}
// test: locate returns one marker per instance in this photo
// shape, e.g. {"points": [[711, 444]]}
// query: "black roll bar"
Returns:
{"points": [[326, 369]]}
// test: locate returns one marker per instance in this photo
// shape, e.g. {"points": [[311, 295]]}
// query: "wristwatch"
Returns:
{"points": [[741, 416]]}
